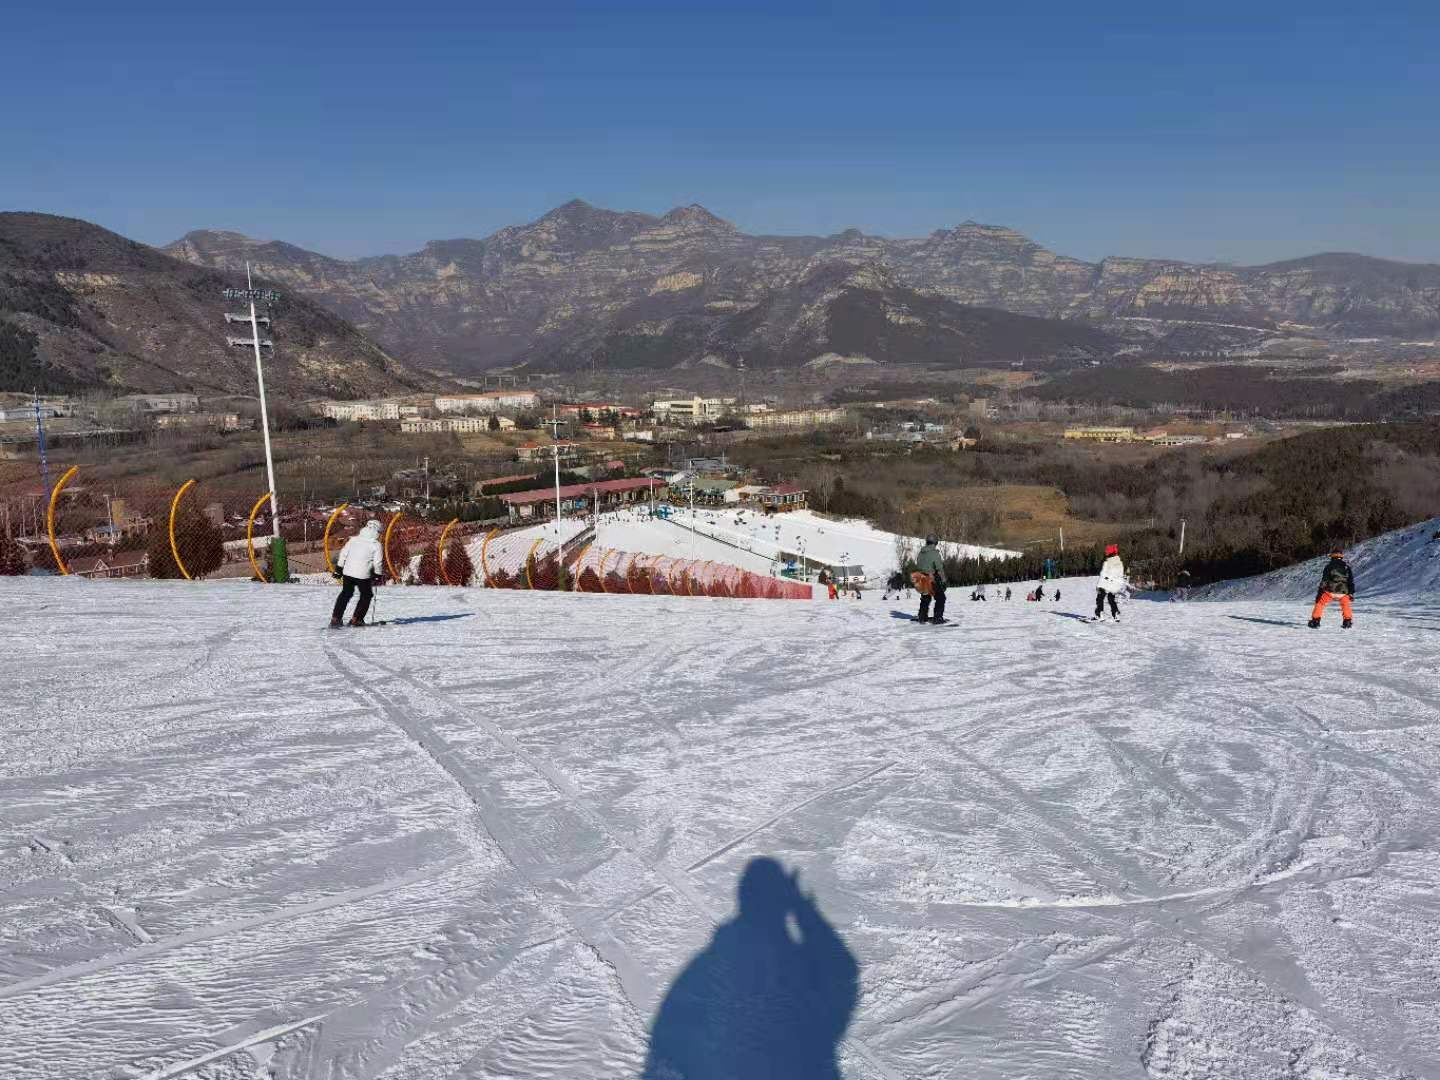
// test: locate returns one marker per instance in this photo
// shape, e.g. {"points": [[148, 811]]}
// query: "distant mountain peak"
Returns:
{"points": [[218, 236], [695, 214], [970, 227], [573, 208]]}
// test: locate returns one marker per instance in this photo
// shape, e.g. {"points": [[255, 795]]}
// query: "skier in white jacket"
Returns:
{"points": [[1112, 581], [360, 562]]}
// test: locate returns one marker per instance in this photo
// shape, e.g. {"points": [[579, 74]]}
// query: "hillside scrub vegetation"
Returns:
{"points": [[1246, 510]]}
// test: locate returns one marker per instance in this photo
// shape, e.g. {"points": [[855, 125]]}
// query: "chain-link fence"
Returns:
{"points": [[141, 529]]}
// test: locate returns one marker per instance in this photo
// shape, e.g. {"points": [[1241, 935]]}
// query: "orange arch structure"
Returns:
{"points": [[440, 549], [485, 566], [603, 558], [529, 556], [174, 547], [50, 518], [329, 524], [250, 538], [388, 564]]}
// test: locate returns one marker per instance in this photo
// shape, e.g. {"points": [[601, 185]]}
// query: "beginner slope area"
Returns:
{"points": [[583, 836]]}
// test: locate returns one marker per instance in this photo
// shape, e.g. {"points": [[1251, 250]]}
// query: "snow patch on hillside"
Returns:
{"points": [[1400, 564]]}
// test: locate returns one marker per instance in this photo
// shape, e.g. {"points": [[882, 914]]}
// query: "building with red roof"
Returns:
{"points": [[608, 494]]}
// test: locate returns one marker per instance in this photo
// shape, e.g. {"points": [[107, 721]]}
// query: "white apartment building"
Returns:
{"points": [[488, 402], [696, 410], [796, 418], [161, 403], [360, 410], [465, 425]]}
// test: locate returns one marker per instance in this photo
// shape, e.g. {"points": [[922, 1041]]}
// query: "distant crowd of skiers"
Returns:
{"points": [[361, 563], [1337, 582]]}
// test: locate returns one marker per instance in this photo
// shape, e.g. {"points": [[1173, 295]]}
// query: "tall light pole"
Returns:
{"points": [[554, 423], [279, 564], [40, 442]]}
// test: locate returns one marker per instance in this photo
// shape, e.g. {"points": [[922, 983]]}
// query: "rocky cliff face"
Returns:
{"points": [[583, 285], [83, 307]]}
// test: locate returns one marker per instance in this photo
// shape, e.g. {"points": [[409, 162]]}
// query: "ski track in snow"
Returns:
{"points": [[234, 845]]}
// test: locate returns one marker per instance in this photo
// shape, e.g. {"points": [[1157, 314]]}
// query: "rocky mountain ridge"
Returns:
{"points": [[84, 308], [584, 284]]}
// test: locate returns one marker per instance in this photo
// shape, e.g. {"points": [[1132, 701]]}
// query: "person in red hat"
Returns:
{"points": [[1337, 581], [1112, 581]]}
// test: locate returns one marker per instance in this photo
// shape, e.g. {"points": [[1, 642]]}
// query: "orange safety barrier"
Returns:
{"points": [[250, 538], [329, 563], [440, 549], [50, 517], [390, 566], [520, 561], [174, 547]]}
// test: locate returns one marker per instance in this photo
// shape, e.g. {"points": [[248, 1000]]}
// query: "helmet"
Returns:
{"points": [[931, 541], [372, 527], [1113, 549]]}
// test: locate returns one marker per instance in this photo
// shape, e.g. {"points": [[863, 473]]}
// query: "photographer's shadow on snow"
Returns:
{"points": [[770, 997]]}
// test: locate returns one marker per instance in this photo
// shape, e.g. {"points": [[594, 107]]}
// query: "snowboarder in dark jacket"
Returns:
{"points": [[930, 562], [1337, 581]]}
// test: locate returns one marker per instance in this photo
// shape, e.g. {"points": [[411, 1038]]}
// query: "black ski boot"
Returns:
{"points": [[1347, 624], [1314, 624], [336, 624]]}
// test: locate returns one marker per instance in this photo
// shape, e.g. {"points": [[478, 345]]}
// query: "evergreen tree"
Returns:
{"points": [[201, 546], [459, 569]]}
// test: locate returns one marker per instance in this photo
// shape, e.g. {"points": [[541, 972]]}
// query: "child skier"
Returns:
{"points": [[1112, 580], [1337, 581], [360, 562]]}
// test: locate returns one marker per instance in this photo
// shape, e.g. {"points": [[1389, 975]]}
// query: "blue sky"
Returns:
{"points": [[1211, 132]]}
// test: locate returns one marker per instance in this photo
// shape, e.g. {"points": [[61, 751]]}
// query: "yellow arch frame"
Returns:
{"points": [[250, 538], [440, 549], [484, 566], [329, 524], [50, 519], [388, 564], [528, 556], [174, 547], [608, 553]]}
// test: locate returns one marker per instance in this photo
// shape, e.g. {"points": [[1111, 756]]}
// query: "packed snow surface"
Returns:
{"points": [[530, 835], [837, 542], [640, 532]]}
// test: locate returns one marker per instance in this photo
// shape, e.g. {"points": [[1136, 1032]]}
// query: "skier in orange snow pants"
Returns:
{"points": [[1347, 610], [1337, 581]]}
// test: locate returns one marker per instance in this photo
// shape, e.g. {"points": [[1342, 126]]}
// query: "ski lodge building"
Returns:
{"points": [[576, 498]]}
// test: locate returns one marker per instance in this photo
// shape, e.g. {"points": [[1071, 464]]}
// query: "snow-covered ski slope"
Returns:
{"points": [[505, 836], [1400, 564], [835, 541], [637, 531]]}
